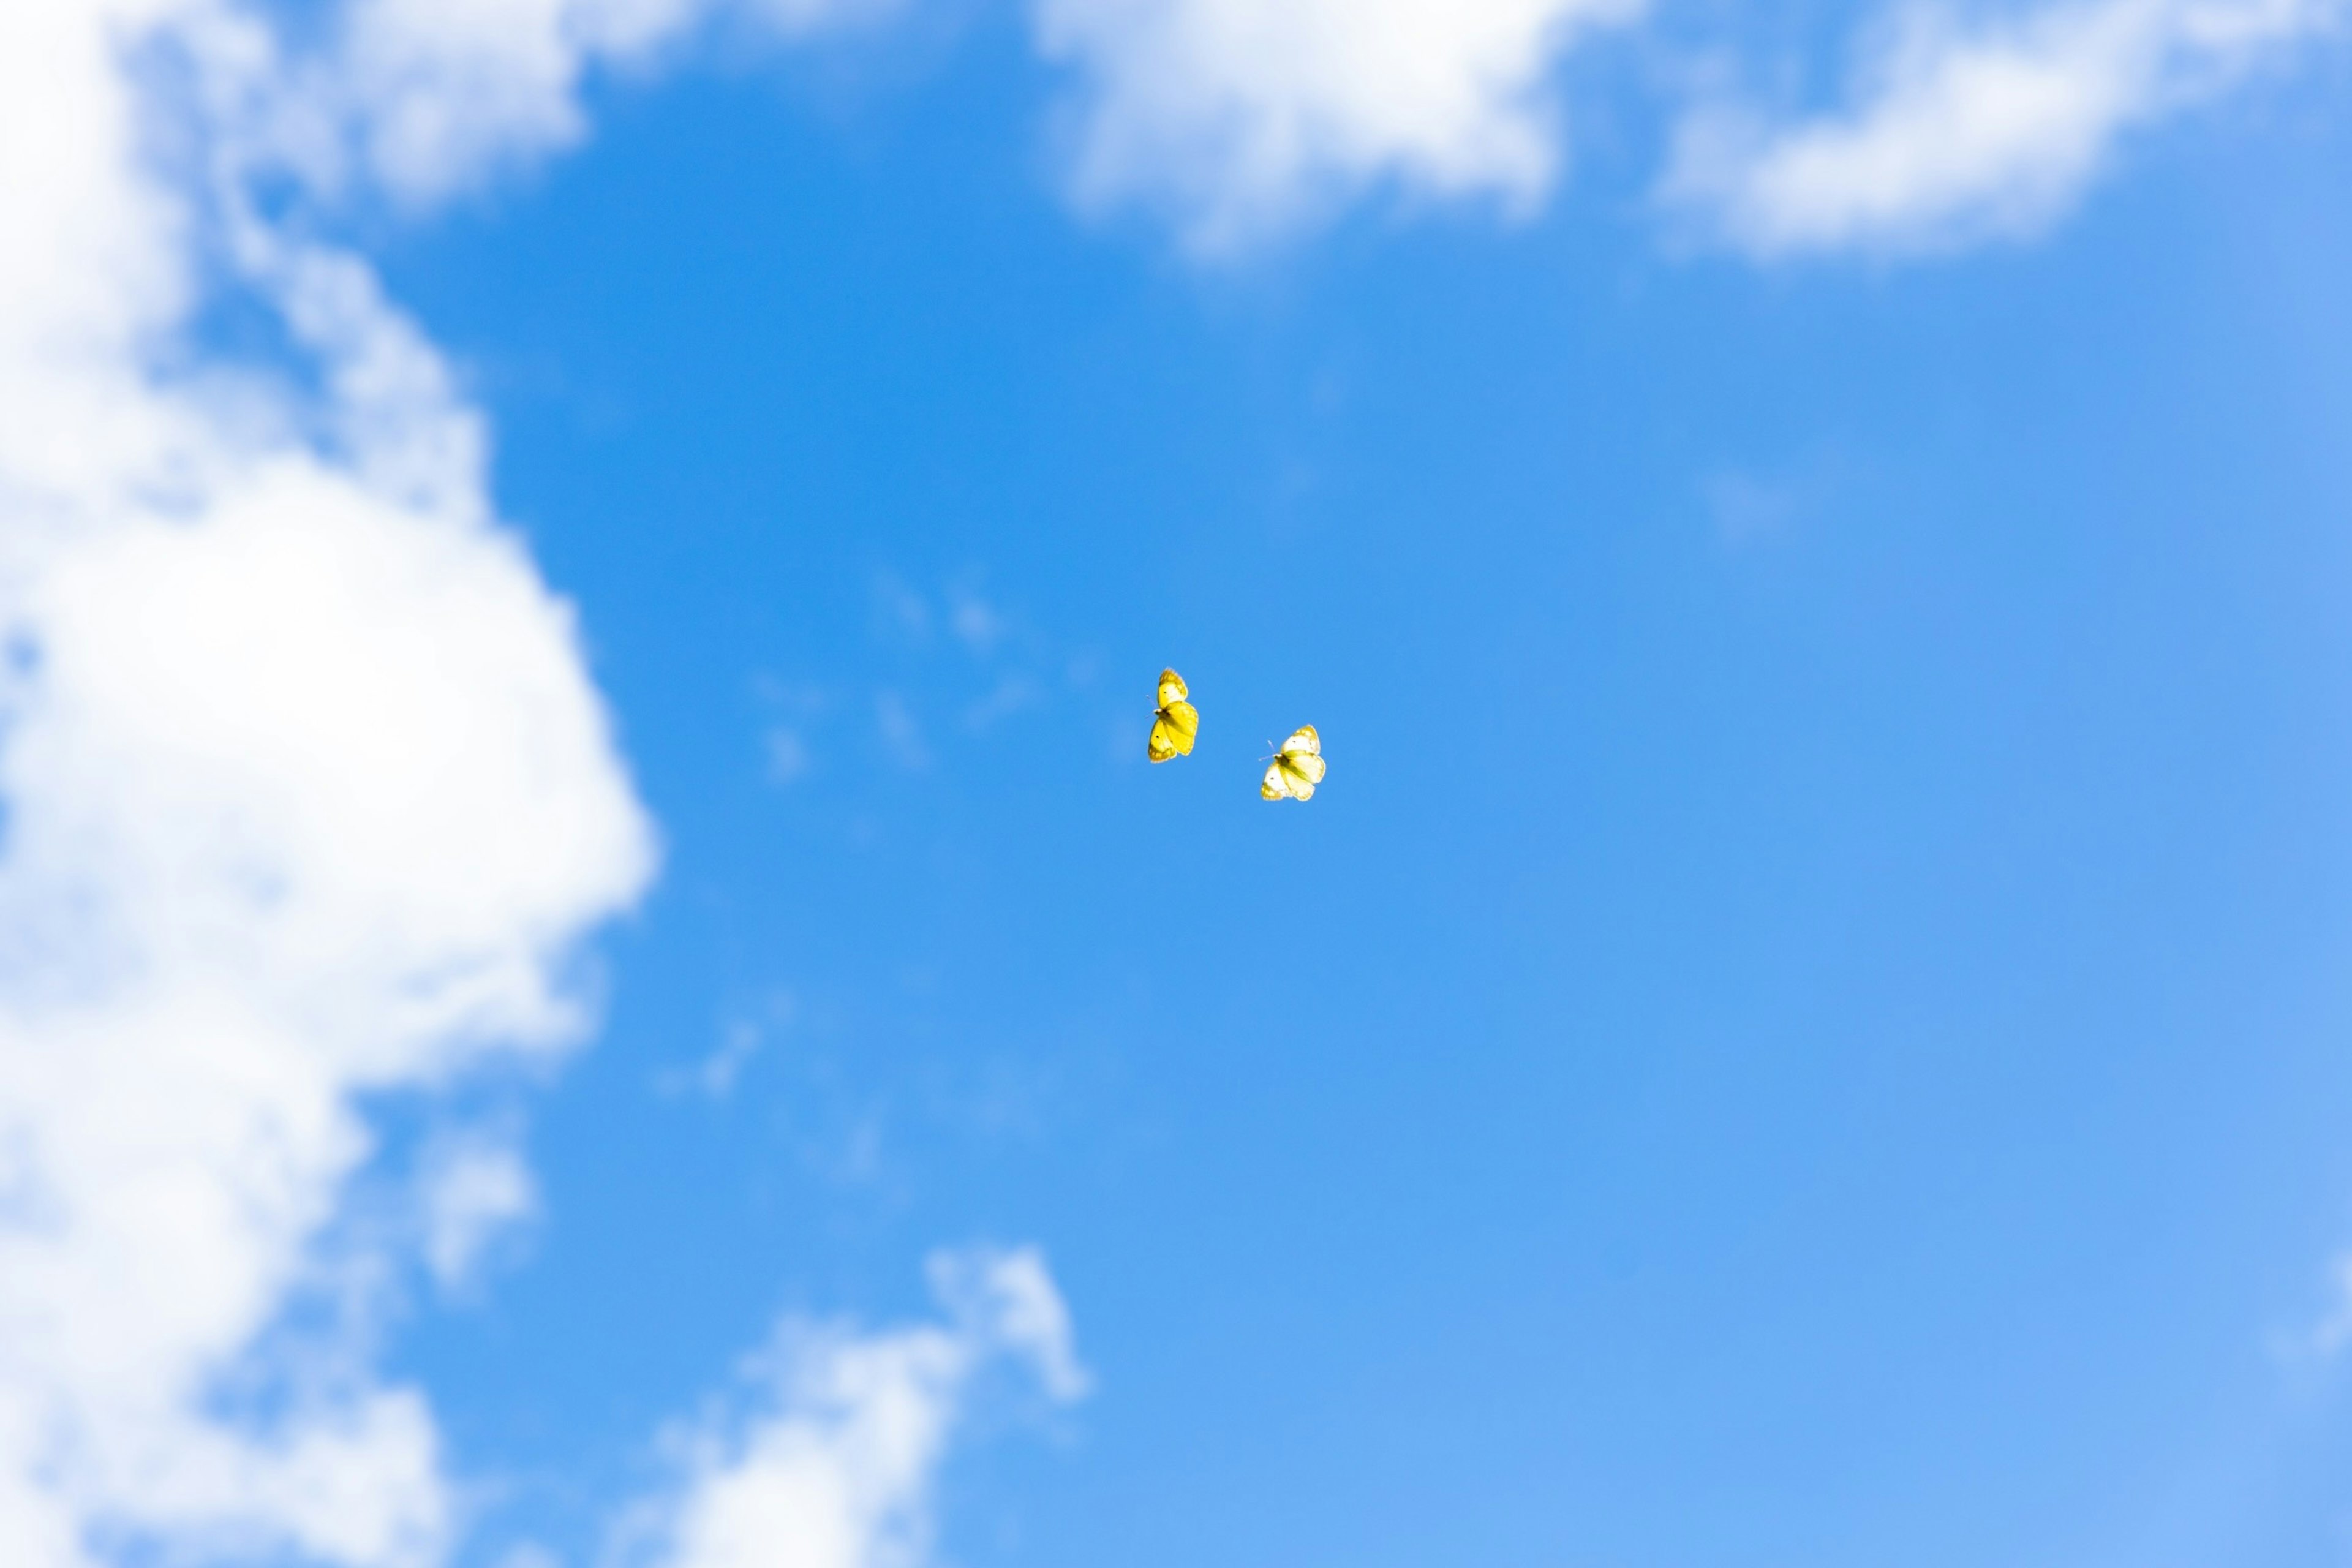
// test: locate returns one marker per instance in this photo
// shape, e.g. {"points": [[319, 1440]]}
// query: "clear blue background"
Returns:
{"points": [[1809, 1023]]}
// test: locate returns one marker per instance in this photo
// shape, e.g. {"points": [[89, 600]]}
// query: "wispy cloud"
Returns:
{"points": [[1243, 121], [901, 731], [475, 1189], [901, 614], [742, 1036], [1013, 694], [826, 1456], [1751, 504], [976, 623], [1246, 119], [798, 706], [943, 660], [1966, 131], [2323, 1337], [425, 98], [790, 760]]}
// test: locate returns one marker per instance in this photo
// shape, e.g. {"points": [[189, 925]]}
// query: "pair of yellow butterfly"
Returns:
{"points": [[1293, 771]]}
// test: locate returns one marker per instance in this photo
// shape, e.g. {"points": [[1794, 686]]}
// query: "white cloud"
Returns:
{"points": [[475, 1186], [306, 795], [828, 1458], [426, 98], [1246, 118], [1966, 132]]}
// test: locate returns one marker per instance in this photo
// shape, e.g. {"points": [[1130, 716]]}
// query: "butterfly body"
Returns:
{"points": [[1297, 768], [1176, 723]]}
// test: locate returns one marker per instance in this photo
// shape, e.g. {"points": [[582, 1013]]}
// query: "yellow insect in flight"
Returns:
{"points": [[1297, 768], [1177, 723]]}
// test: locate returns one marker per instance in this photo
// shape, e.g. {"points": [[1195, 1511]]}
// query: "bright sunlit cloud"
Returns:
{"points": [[309, 796], [1964, 132]]}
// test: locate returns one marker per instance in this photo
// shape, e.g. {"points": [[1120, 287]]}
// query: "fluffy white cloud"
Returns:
{"points": [[306, 794], [826, 1461], [1245, 118], [1961, 134]]}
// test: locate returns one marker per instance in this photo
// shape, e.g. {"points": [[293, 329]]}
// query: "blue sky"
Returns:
{"points": [[1805, 1027]]}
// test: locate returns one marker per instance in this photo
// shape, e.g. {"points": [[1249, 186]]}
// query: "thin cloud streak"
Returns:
{"points": [[1963, 132]]}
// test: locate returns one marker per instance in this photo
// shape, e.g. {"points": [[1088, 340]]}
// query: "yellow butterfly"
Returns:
{"points": [[1297, 768], [1177, 723]]}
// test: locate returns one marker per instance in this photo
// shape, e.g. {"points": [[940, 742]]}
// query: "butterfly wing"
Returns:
{"points": [[1177, 723], [1173, 730], [1296, 769], [1302, 761]]}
